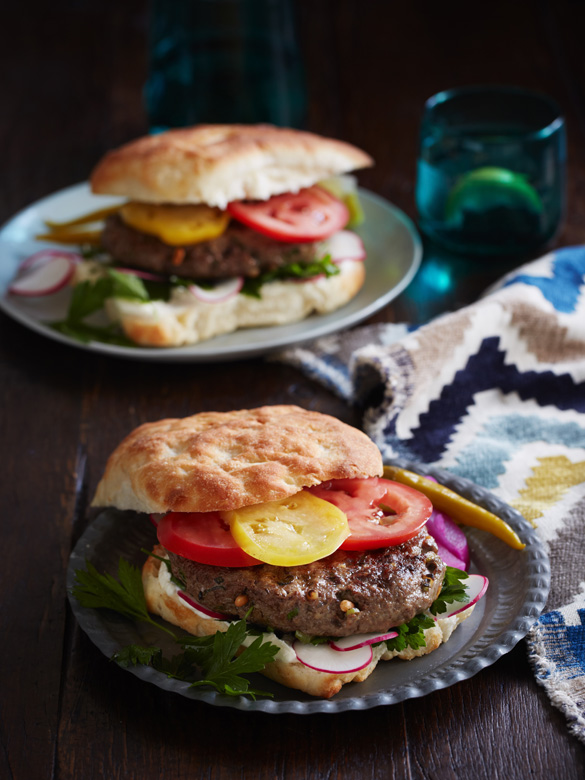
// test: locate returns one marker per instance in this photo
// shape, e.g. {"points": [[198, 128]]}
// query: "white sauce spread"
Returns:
{"points": [[285, 651]]}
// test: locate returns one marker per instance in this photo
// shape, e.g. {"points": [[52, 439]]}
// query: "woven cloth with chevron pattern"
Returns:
{"points": [[494, 392]]}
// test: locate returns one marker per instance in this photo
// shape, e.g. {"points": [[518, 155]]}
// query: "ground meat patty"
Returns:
{"points": [[387, 587], [237, 252]]}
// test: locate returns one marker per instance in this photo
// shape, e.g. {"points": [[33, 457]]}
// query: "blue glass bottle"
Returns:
{"points": [[232, 61]]}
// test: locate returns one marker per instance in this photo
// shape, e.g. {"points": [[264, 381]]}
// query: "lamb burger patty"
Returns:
{"points": [[239, 251], [387, 587]]}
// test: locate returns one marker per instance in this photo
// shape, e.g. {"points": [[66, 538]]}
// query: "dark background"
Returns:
{"points": [[72, 76]]}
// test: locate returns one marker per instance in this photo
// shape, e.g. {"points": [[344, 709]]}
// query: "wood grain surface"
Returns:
{"points": [[72, 79]]}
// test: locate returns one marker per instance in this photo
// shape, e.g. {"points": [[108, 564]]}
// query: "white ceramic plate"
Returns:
{"points": [[519, 584], [393, 248]]}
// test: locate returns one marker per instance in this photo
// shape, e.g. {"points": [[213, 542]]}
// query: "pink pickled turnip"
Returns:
{"points": [[324, 658], [448, 533], [476, 585], [449, 536], [450, 559], [346, 643]]}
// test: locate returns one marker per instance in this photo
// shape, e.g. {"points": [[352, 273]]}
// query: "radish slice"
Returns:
{"points": [[43, 276], [346, 643], [203, 611], [323, 658], [343, 245], [476, 586], [42, 257], [142, 274], [221, 292]]}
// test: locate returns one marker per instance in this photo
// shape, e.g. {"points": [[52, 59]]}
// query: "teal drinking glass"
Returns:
{"points": [[491, 170]]}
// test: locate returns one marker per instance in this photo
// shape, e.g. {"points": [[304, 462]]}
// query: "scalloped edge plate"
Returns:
{"points": [[519, 585], [394, 252]]}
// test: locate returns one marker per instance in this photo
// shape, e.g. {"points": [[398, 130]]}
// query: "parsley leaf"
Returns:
{"points": [[80, 331], [124, 595], [453, 590], [215, 660], [127, 286], [132, 655], [90, 296], [410, 634], [221, 666]]}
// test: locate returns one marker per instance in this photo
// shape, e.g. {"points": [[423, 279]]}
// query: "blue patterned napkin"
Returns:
{"points": [[494, 392]]}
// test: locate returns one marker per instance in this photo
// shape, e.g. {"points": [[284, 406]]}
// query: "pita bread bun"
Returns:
{"points": [[216, 164], [184, 320], [285, 670], [218, 461]]}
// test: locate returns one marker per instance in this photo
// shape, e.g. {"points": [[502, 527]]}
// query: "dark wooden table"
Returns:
{"points": [[72, 74]]}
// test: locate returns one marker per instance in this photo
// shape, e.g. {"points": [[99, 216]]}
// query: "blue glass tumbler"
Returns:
{"points": [[491, 170], [224, 61]]}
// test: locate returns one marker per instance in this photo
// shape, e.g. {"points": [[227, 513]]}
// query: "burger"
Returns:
{"points": [[227, 227], [281, 516]]}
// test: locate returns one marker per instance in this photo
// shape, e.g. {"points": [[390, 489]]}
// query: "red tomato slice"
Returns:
{"points": [[308, 215], [203, 537], [371, 527]]}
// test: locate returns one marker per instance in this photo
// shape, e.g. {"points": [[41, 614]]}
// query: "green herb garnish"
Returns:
{"points": [[80, 331], [89, 297], [221, 667], [323, 266], [124, 595], [309, 639], [209, 660], [453, 590], [411, 634]]}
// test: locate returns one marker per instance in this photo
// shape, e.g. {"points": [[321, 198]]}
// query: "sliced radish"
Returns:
{"points": [[146, 275], [42, 257], [203, 611], [43, 276], [324, 658], [343, 245], [220, 292], [476, 586], [346, 643]]}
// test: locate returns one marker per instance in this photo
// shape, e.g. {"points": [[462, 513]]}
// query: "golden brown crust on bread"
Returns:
{"points": [[185, 320], [225, 460], [289, 673], [216, 164]]}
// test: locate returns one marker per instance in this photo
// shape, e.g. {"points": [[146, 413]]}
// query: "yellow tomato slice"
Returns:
{"points": [[176, 225], [290, 532]]}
